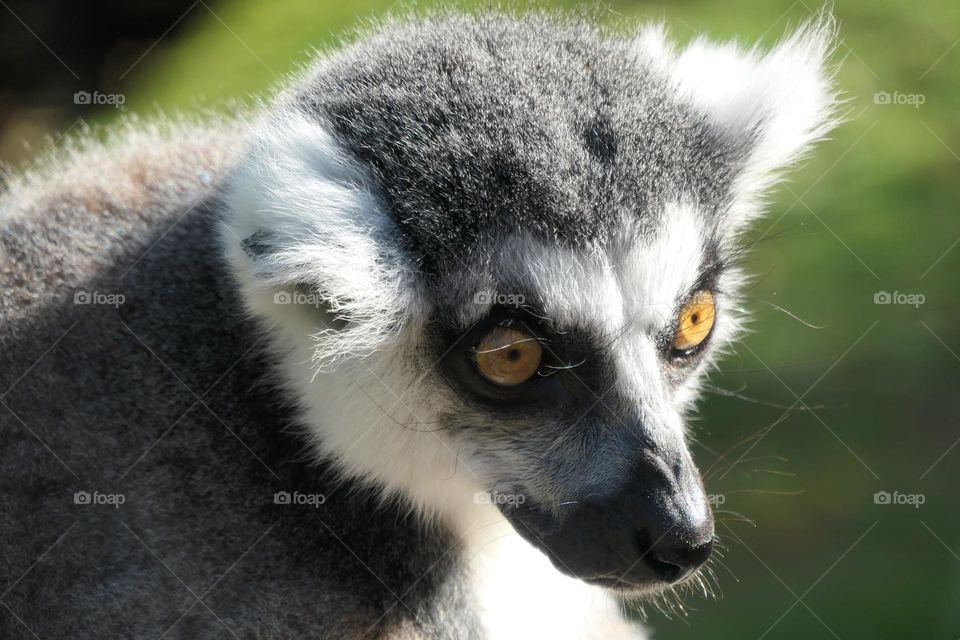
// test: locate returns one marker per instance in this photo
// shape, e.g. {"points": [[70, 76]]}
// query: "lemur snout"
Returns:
{"points": [[652, 530], [658, 522]]}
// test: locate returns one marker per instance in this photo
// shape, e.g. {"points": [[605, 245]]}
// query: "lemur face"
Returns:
{"points": [[519, 236], [573, 368]]}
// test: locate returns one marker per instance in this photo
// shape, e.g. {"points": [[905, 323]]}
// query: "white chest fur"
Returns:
{"points": [[523, 596]]}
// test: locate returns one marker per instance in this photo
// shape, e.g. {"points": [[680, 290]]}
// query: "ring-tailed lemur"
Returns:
{"points": [[406, 355]]}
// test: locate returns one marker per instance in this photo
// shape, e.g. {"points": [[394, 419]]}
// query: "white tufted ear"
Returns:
{"points": [[310, 244], [776, 104]]}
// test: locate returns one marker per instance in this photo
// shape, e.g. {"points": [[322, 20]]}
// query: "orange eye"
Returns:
{"points": [[508, 357], [695, 322]]}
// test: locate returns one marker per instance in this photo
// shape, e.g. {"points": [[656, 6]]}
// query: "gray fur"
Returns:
{"points": [[479, 139], [138, 219], [475, 127]]}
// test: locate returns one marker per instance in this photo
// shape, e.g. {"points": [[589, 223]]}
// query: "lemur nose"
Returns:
{"points": [[675, 561], [655, 529], [671, 519]]}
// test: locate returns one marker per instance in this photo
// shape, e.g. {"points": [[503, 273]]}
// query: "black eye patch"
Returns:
{"points": [[571, 371]]}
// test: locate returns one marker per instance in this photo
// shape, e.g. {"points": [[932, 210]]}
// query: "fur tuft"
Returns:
{"points": [[777, 103], [309, 240]]}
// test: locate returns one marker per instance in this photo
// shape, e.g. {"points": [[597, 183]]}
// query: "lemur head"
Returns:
{"points": [[495, 255]]}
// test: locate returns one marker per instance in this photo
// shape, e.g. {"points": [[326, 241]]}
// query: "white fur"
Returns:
{"points": [[365, 405], [785, 97], [523, 596], [297, 185], [293, 191]]}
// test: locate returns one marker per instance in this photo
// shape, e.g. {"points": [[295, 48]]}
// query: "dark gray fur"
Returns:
{"points": [[95, 397], [475, 127], [472, 127]]}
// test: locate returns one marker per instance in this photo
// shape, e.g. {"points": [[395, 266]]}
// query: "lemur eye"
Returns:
{"points": [[508, 357], [695, 322]]}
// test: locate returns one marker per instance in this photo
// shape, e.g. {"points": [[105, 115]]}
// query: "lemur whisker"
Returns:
{"points": [[775, 405], [720, 457], [776, 367], [456, 462], [741, 442], [772, 492], [409, 426], [790, 314], [770, 456], [743, 520], [736, 513], [731, 465], [775, 472], [727, 568], [565, 367]]}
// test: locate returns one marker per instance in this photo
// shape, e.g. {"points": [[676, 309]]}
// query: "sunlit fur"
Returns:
{"points": [[356, 362]]}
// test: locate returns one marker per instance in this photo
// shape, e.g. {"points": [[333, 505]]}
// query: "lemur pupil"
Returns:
{"points": [[694, 318], [513, 354]]}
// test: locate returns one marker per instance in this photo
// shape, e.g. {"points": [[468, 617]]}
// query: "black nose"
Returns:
{"points": [[673, 561], [670, 519], [654, 529]]}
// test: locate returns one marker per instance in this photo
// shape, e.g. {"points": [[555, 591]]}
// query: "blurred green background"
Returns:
{"points": [[832, 399]]}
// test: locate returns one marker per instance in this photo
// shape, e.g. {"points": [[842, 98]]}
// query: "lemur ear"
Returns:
{"points": [[309, 243], [772, 106]]}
